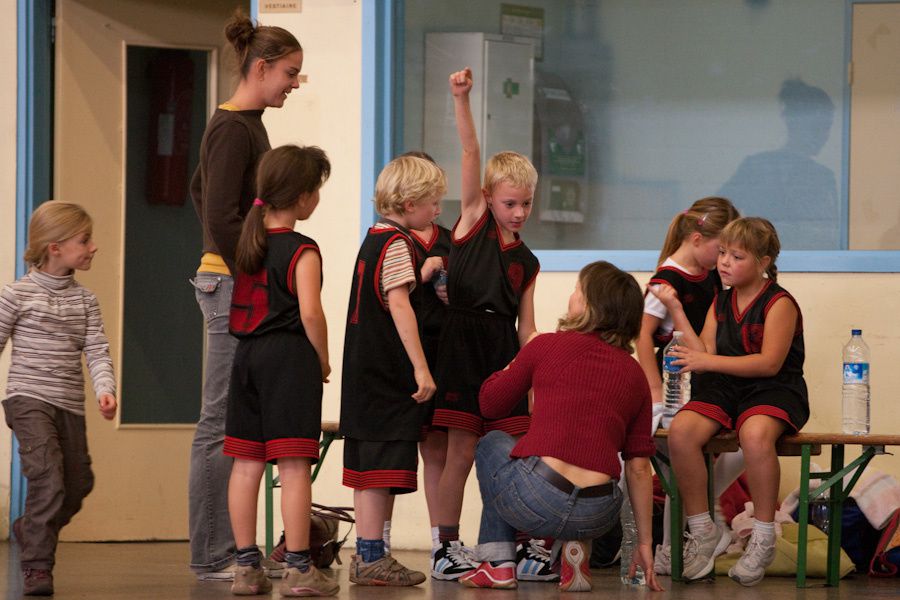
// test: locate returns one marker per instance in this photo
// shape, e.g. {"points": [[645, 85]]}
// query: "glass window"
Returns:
{"points": [[641, 107]]}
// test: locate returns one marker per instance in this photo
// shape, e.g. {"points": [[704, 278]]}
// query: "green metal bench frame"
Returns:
{"points": [[806, 445]]}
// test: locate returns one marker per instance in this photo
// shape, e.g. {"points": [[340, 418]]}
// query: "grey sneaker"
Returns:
{"points": [[312, 583], [662, 561], [700, 552], [384, 571], [273, 568], [250, 581], [223, 574], [751, 566]]}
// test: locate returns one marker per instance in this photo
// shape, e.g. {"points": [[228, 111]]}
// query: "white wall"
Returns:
{"points": [[7, 218]]}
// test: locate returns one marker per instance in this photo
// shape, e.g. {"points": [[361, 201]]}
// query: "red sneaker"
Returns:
{"points": [[501, 577], [575, 569]]}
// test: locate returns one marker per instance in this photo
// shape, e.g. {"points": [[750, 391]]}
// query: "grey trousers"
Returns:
{"points": [[212, 542], [55, 461]]}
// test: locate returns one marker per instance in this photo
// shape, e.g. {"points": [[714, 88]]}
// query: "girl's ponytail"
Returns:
{"points": [[251, 248], [674, 236], [706, 216]]}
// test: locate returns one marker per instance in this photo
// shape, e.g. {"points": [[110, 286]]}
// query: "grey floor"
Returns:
{"points": [[135, 571]]}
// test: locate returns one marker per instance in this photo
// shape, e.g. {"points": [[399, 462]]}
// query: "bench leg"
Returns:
{"points": [[835, 518], [676, 513], [802, 530], [270, 483]]}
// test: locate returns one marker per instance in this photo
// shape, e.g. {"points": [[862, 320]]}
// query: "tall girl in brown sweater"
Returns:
{"points": [[223, 188]]}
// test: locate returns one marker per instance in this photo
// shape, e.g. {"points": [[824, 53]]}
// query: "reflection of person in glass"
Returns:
{"points": [[787, 186]]}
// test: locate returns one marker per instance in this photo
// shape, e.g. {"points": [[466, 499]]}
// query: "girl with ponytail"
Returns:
{"points": [[687, 263], [274, 409], [747, 367]]}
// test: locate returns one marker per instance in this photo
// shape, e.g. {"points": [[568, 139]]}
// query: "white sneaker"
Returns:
{"points": [[533, 562], [751, 566], [662, 561], [700, 551], [451, 561]]}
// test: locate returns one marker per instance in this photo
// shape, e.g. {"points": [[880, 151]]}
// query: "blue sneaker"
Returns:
{"points": [[533, 562]]}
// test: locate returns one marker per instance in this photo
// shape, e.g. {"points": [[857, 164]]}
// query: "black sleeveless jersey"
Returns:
{"points": [[378, 379], [267, 300], [484, 274], [696, 293], [432, 312], [739, 334]]}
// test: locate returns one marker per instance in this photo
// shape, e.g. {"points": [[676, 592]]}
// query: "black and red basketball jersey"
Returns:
{"points": [[267, 300], [431, 314], [378, 379], [484, 274], [696, 293], [739, 334]]}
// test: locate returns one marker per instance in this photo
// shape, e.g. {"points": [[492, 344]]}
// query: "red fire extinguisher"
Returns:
{"points": [[171, 75]]}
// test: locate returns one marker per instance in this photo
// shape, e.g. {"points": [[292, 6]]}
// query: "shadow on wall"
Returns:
{"points": [[788, 186]]}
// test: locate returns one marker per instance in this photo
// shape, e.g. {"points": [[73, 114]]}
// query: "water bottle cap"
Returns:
{"points": [[856, 332]]}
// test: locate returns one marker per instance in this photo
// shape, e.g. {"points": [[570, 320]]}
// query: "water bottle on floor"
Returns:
{"points": [[629, 543], [856, 385], [676, 386]]}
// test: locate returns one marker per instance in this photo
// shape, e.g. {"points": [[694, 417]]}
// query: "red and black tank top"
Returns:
{"points": [[267, 300]]}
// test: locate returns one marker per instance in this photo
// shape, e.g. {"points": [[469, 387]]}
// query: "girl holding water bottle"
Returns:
{"points": [[748, 376]]}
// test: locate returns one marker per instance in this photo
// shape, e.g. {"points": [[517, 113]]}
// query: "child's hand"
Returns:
{"points": [[431, 266], [461, 82], [689, 359], [326, 371], [440, 290], [666, 294], [108, 406], [426, 385]]}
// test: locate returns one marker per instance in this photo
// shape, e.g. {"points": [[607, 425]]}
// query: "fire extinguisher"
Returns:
{"points": [[171, 75]]}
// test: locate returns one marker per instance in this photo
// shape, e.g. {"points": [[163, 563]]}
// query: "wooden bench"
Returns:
{"points": [[330, 432], [804, 445]]}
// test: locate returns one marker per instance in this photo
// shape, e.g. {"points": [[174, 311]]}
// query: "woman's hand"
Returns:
{"points": [[643, 558]]}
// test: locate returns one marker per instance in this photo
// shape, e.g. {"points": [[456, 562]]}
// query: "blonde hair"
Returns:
{"points": [[54, 221], [512, 168], [613, 305], [707, 216], [758, 237], [407, 178]]}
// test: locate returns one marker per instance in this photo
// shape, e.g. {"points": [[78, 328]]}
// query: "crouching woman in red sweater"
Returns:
{"points": [[591, 401]]}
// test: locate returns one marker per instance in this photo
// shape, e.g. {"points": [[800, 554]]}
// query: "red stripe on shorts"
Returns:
{"points": [[387, 478], [511, 425], [444, 417], [244, 449], [769, 411], [292, 448], [716, 413]]}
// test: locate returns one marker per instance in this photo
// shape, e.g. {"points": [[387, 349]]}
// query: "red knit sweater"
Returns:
{"points": [[591, 401]]}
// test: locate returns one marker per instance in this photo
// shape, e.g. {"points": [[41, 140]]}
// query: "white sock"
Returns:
{"points": [[386, 536], [700, 524], [435, 538], [764, 530]]}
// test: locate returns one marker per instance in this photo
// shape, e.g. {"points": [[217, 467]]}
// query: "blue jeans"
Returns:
{"points": [[212, 542], [514, 498]]}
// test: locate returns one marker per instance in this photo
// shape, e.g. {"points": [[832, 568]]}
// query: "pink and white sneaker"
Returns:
{"points": [[501, 577]]}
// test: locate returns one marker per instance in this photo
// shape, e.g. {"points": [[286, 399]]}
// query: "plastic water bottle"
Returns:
{"points": [[856, 385], [629, 543], [676, 386]]}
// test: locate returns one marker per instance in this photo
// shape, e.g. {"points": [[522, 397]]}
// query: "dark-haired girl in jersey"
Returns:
{"points": [[749, 361], [275, 398], [687, 263]]}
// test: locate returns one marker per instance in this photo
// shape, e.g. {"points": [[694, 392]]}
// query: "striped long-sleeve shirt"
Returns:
{"points": [[52, 321]]}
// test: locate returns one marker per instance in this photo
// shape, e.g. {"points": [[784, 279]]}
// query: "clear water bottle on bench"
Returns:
{"points": [[856, 385]]}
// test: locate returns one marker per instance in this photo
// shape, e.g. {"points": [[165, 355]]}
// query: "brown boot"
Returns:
{"points": [[38, 582]]}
